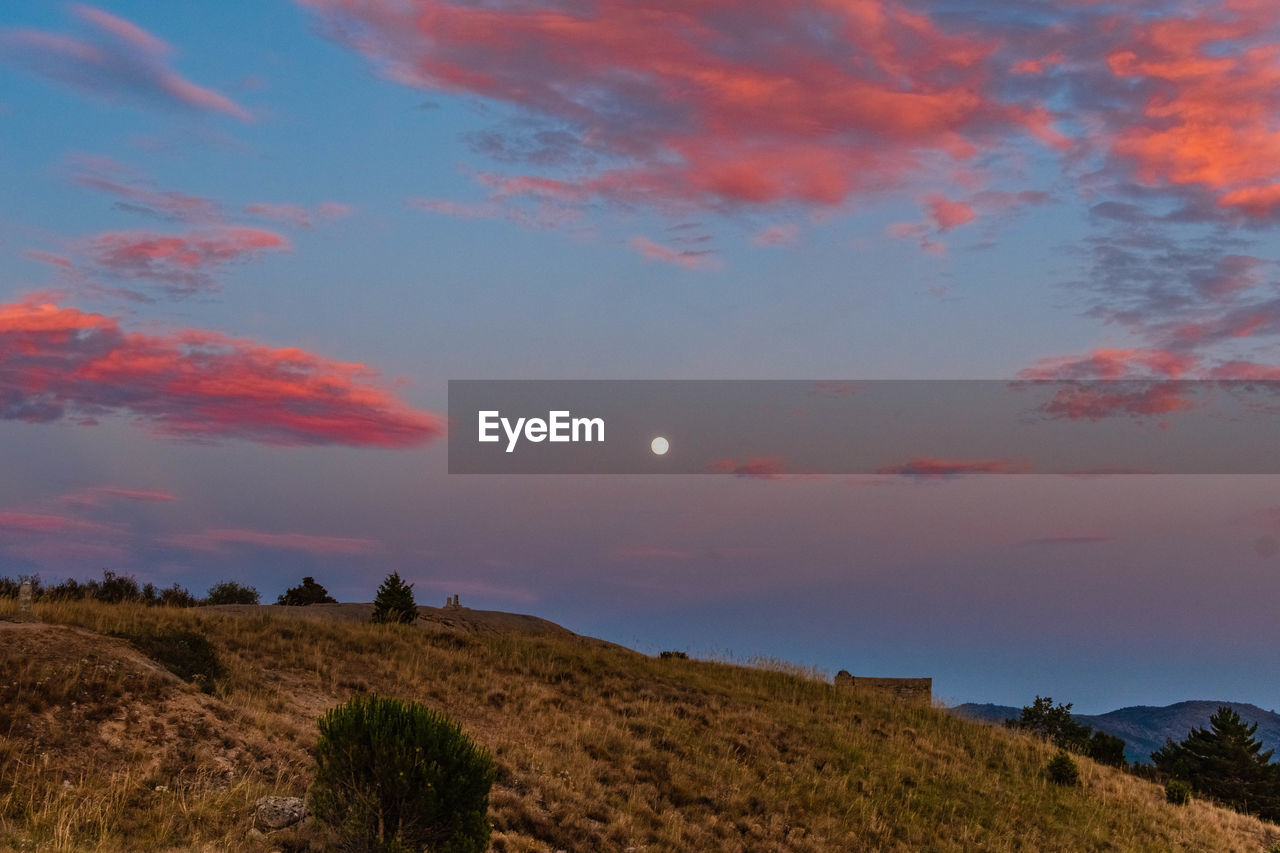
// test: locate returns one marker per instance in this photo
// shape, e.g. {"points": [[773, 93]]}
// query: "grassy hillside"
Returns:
{"points": [[598, 748]]}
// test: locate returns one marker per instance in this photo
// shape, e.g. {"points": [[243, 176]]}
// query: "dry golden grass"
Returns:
{"points": [[598, 748]]}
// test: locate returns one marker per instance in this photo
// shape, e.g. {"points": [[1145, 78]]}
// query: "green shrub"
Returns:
{"points": [[114, 588], [230, 592], [1177, 792], [673, 656], [395, 776], [1062, 770], [395, 601], [186, 654], [1106, 749], [176, 596], [307, 592]]}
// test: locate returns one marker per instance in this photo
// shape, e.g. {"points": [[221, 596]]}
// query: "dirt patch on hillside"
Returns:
{"points": [[74, 703]]}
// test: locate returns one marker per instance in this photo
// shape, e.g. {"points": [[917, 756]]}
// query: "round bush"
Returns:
{"points": [[1177, 792], [1062, 770], [396, 776]]}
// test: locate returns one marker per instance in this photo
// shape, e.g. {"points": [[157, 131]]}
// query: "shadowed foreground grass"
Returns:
{"points": [[597, 748]]}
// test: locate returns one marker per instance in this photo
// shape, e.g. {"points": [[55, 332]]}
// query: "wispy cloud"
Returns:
{"points": [[114, 58], [934, 468], [181, 264], [94, 496], [690, 259], [222, 539]]}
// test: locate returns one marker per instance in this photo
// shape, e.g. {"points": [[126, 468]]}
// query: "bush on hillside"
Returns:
{"points": [[176, 596], [230, 592], [1063, 770], [114, 588], [1177, 792], [394, 775], [186, 654], [305, 593]]}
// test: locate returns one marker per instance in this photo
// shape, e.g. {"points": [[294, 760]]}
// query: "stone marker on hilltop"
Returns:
{"points": [[25, 597]]}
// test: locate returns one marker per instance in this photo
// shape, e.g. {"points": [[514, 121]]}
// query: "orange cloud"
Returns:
{"points": [[58, 363]]}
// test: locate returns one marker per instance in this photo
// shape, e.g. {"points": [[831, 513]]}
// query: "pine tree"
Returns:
{"points": [[395, 601], [1225, 762]]}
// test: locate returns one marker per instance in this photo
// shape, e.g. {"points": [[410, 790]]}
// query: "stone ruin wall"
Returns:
{"points": [[909, 689]]}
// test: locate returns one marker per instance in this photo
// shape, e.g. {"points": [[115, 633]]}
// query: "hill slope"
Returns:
{"points": [[598, 748], [1146, 727]]}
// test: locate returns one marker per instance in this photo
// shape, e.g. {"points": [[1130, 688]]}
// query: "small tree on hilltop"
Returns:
{"points": [[395, 601], [308, 592]]}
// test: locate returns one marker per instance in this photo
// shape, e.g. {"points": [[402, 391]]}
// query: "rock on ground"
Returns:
{"points": [[279, 812]]}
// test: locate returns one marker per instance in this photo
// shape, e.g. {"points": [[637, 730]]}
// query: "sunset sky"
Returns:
{"points": [[244, 245]]}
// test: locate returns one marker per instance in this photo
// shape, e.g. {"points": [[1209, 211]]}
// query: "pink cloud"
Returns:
{"points": [[929, 467], [58, 540], [217, 540], [139, 194], [1107, 363], [26, 522], [690, 259], [300, 215], [1096, 400], [61, 362], [752, 468], [921, 232], [947, 214], [182, 264], [776, 235], [706, 103], [1212, 97], [115, 58], [546, 213], [98, 495]]}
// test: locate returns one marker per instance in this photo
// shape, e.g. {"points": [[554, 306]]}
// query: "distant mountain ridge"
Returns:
{"points": [[1146, 727]]}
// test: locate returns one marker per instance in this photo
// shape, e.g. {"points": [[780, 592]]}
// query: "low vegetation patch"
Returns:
{"points": [[187, 654]]}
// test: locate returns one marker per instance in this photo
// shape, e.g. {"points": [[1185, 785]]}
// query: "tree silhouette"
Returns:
{"points": [[1225, 762], [308, 592], [395, 601]]}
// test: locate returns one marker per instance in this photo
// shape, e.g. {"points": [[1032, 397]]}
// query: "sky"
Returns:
{"points": [[244, 246]]}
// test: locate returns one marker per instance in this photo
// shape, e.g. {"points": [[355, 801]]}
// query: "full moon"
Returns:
{"points": [[660, 445]]}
